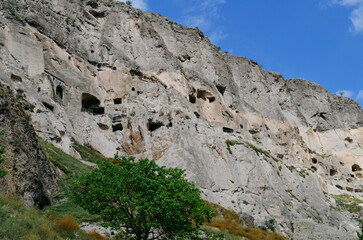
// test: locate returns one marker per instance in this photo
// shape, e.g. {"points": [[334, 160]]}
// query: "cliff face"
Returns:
{"points": [[112, 76], [29, 173]]}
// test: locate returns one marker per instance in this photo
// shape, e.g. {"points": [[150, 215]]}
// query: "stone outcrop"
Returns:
{"points": [[29, 173], [114, 77]]}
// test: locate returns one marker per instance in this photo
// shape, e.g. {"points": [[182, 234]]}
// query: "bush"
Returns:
{"points": [[140, 199], [360, 234]]}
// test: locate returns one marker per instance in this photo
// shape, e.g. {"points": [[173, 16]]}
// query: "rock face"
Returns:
{"points": [[112, 76], [29, 173]]}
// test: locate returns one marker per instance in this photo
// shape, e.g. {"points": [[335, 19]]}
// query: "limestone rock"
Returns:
{"points": [[114, 77]]}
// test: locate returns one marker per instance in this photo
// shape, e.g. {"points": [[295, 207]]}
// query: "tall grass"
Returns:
{"points": [[18, 222]]}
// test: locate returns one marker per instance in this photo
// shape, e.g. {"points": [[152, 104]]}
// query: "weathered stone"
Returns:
{"points": [[251, 140]]}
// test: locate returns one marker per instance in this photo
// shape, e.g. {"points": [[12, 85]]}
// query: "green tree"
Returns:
{"points": [[128, 2], [143, 200], [360, 234], [2, 171]]}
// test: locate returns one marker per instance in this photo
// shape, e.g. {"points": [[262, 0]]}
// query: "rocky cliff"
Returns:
{"points": [[112, 76], [29, 173]]}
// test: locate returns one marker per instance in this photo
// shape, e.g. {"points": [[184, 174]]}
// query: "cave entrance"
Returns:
{"points": [[91, 104], [356, 168], [59, 93]]}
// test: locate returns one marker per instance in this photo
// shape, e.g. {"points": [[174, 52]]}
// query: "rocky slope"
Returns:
{"points": [[29, 173], [112, 76]]}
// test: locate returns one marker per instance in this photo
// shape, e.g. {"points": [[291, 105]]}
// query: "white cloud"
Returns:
{"points": [[345, 93], [217, 36], [140, 4], [201, 13], [360, 95], [357, 14]]}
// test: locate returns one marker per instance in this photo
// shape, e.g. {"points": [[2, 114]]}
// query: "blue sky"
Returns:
{"points": [[317, 40]]}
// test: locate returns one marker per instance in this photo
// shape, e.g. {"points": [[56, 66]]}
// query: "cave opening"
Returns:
{"points": [[59, 93], [152, 126], [91, 104]]}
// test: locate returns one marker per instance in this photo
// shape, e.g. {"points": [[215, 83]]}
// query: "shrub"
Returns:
{"points": [[360, 234], [139, 198], [67, 223]]}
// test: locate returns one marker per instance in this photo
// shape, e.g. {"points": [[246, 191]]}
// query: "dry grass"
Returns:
{"points": [[228, 221], [96, 235], [67, 223], [18, 222]]}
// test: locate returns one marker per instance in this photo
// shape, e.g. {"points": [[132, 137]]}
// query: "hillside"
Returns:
{"points": [[111, 76]]}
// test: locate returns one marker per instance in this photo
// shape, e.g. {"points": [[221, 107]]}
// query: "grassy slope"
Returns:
{"points": [[18, 222]]}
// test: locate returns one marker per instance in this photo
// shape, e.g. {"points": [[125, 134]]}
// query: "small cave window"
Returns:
{"points": [[192, 98], [152, 126], [333, 172], [48, 106], [314, 160], [221, 89], [102, 126], [59, 92], [136, 73], [117, 127], [197, 114], [205, 95], [93, 4], [227, 130], [314, 168], [16, 78], [348, 139], [39, 89], [91, 104], [358, 190], [133, 89], [349, 189], [170, 124], [117, 101], [339, 187], [356, 168]]}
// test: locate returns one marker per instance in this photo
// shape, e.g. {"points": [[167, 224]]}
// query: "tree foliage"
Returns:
{"points": [[143, 200], [360, 234], [2, 170]]}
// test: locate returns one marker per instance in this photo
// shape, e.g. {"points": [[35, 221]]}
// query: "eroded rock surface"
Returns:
{"points": [[29, 173], [112, 77]]}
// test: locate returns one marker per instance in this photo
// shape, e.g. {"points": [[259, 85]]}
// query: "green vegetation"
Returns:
{"points": [[318, 154], [259, 151], [60, 220], [16, 16], [88, 154], [18, 222], [128, 2], [360, 234], [2, 170], [73, 168], [139, 198], [256, 137], [229, 223], [31, 107], [348, 203], [291, 194], [2, 44]]}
